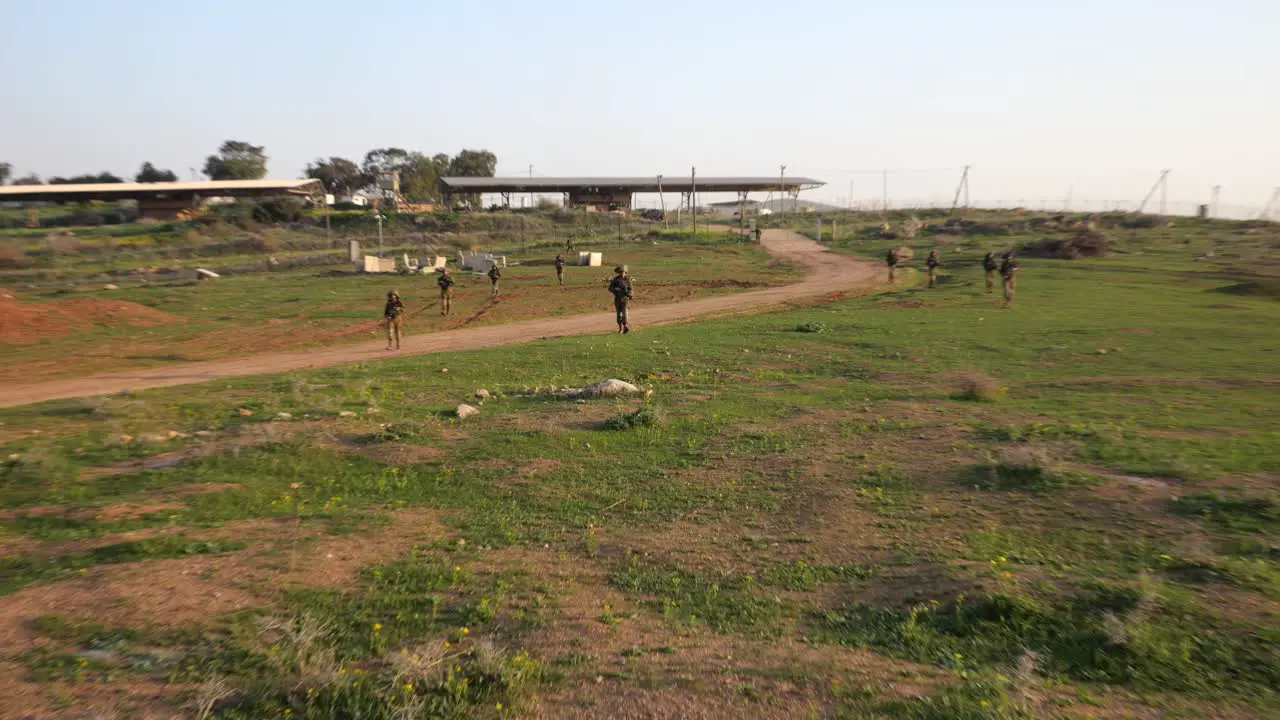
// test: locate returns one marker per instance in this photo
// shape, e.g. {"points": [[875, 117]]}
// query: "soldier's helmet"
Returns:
{"points": [[619, 270], [391, 294]]}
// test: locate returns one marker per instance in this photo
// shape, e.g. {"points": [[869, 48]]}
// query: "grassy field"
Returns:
{"points": [[176, 320], [912, 505]]}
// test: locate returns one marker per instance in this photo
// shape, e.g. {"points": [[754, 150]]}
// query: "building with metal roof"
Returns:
{"points": [[162, 200], [612, 193]]}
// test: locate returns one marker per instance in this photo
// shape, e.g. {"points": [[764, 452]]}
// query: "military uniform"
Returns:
{"points": [[495, 274], [620, 287], [989, 265], [892, 261], [1008, 267], [445, 281], [932, 264], [393, 313], [560, 269]]}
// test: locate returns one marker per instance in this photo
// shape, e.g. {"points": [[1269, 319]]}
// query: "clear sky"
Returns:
{"points": [[1037, 96]]}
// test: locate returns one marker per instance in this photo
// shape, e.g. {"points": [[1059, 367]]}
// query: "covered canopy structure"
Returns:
{"points": [[614, 193], [162, 200]]}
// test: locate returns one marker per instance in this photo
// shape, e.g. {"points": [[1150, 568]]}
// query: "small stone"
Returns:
{"points": [[110, 286], [14, 456], [245, 412], [126, 438], [174, 435], [1102, 351], [464, 411], [346, 413], [284, 416], [204, 433], [444, 369], [482, 394]]}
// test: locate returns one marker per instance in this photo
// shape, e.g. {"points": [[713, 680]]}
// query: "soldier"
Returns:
{"points": [[620, 286], [393, 312], [495, 274], [989, 266], [560, 270], [445, 281], [1008, 267], [932, 264], [892, 261]]}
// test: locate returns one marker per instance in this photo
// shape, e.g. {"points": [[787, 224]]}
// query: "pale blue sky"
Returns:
{"points": [[1037, 96]]}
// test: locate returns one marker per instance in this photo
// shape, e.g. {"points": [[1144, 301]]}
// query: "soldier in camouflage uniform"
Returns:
{"points": [[495, 274], [989, 266], [620, 287], [560, 270], [445, 281], [393, 313], [1008, 267], [892, 261], [932, 264]]}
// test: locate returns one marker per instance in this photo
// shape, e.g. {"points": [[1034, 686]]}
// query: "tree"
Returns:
{"points": [[150, 174], [6, 170], [32, 179], [99, 179], [473, 163], [339, 175], [237, 161]]}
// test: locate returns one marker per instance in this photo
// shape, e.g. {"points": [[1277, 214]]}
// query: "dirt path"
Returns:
{"points": [[828, 273]]}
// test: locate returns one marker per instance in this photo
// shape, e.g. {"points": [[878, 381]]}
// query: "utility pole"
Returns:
{"points": [[1213, 205], [1266, 210], [530, 187], [885, 191], [1161, 182], [850, 194], [662, 200], [379, 216], [964, 184], [693, 199], [782, 189], [1066, 203]]}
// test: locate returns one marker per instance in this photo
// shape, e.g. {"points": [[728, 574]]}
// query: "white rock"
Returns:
{"points": [[110, 286], [346, 413], [465, 411], [611, 388], [203, 274], [284, 416], [482, 394], [174, 435]]}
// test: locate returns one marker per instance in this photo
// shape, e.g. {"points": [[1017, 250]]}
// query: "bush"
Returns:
{"points": [[278, 210], [812, 327], [979, 388], [646, 416]]}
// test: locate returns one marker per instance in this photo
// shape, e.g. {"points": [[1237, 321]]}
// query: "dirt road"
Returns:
{"points": [[828, 273]]}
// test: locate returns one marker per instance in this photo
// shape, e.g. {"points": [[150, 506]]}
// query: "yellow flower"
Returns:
{"points": [[984, 703], [466, 631], [408, 687], [447, 644], [377, 627], [457, 568], [499, 706]]}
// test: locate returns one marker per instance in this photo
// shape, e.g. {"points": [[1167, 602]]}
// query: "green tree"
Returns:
{"points": [[100, 178], [150, 174], [383, 160], [473, 163], [32, 179], [6, 170], [237, 160], [339, 175]]}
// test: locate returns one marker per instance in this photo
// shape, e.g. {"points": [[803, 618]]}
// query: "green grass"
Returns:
{"points": [[18, 572], [798, 487]]}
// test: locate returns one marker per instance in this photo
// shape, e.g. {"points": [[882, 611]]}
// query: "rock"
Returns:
{"points": [[1102, 351], [284, 416], [465, 411], [203, 274], [610, 388], [244, 412], [126, 438], [110, 286], [482, 394], [204, 433], [444, 369], [175, 435], [346, 413]]}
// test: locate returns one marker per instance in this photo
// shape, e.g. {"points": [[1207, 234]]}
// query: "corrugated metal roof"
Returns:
{"points": [[197, 187], [634, 184]]}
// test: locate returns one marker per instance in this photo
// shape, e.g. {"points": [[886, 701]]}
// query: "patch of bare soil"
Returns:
{"points": [[24, 323]]}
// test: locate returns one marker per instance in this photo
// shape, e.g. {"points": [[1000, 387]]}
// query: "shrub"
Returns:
{"points": [[812, 327], [646, 416], [979, 388]]}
